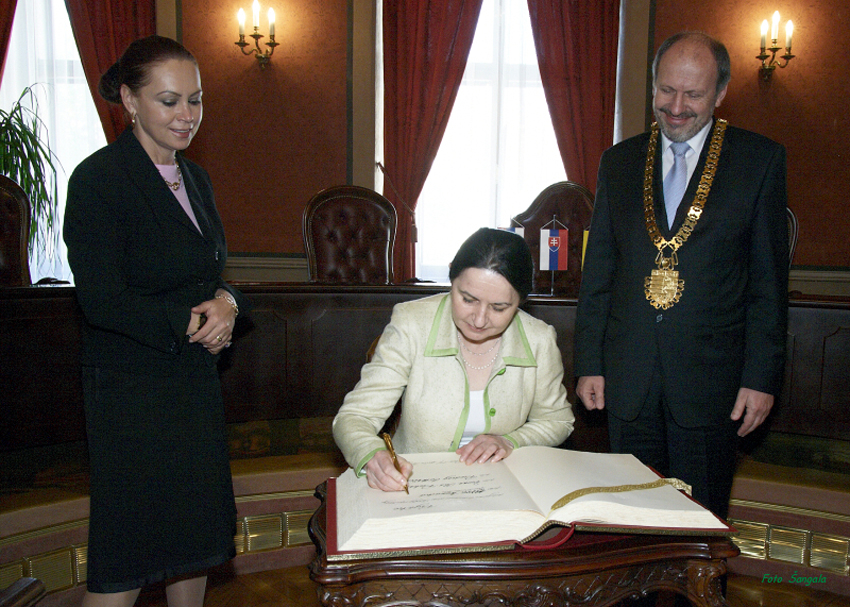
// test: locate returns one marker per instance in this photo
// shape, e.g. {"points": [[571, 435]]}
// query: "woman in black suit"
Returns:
{"points": [[147, 249]]}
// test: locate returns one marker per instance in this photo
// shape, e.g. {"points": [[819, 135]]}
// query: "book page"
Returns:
{"points": [[449, 503], [549, 474]]}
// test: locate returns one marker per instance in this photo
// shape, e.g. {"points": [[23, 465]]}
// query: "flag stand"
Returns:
{"points": [[554, 223]]}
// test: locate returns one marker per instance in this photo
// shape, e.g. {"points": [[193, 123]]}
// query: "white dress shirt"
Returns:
{"points": [[692, 156]]}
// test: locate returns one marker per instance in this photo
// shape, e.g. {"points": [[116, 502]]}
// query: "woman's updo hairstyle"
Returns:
{"points": [[500, 251], [134, 66]]}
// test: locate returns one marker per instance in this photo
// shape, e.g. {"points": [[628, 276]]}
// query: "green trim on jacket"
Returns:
{"points": [[418, 360]]}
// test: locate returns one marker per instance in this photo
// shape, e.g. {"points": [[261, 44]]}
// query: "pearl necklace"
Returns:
{"points": [[492, 360], [473, 367], [463, 345]]}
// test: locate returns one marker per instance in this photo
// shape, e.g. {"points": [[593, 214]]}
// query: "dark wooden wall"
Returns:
{"points": [[301, 348]]}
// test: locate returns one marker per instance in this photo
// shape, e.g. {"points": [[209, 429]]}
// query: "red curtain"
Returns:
{"points": [[576, 43], [7, 16], [103, 29], [426, 45]]}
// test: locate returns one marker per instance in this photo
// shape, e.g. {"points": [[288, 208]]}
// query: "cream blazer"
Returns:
{"points": [[418, 359]]}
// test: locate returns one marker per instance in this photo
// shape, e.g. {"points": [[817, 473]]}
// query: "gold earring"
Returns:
{"points": [[133, 120]]}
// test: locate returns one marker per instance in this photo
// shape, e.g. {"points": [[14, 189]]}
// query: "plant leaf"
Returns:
{"points": [[26, 158]]}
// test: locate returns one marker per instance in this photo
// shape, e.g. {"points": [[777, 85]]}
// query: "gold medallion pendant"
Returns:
{"points": [[663, 287]]}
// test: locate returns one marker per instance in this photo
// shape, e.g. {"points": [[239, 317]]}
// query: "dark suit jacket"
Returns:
{"points": [[729, 328], [139, 263]]}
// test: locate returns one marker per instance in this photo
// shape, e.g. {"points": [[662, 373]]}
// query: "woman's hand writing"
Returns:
{"points": [[381, 473], [485, 448]]}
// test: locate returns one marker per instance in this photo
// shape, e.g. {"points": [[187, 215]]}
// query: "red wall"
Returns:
{"points": [[805, 106], [270, 138]]}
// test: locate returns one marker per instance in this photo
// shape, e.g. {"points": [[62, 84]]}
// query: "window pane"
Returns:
{"points": [[499, 150], [42, 52]]}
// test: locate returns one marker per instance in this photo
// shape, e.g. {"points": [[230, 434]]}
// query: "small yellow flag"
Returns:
{"points": [[584, 247]]}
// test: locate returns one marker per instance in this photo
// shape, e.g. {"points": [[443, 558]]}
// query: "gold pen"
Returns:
{"points": [[389, 443]]}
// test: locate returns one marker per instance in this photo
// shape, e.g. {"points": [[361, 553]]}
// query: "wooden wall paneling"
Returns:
{"points": [[340, 336], [834, 401], [791, 354], [255, 370], [815, 400], [40, 383], [591, 430], [300, 350], [340, 340]]}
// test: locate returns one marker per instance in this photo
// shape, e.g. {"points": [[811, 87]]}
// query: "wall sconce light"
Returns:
{"points": [[262, 57], [769, 61]]}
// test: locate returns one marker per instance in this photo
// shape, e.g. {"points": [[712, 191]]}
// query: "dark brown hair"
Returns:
{"points": [[502, 252], [134, 66]]}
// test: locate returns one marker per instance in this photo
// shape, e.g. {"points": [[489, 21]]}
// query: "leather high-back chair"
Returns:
{"points": [[25, 592], [349, 233], [571, 205], [14, 234], [793, 233]]}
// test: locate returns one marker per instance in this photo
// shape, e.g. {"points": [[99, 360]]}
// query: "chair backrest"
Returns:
{"points": [[349, 233], [24, 592], [569, 204], [793, 233], [14, 234]]}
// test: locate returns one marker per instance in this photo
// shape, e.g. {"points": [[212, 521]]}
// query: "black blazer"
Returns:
{"points": [[139, 263], [729, 328]]}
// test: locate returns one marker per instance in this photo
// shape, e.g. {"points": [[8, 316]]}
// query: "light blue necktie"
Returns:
{"points": [[676, 181]]}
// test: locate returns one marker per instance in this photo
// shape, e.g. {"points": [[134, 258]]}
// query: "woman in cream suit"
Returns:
{"points": [[476, 375]]}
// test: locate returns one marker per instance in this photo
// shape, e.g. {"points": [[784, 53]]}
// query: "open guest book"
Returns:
{"points": [[453, 507]]}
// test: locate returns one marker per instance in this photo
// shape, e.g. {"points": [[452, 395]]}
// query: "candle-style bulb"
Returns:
{"points": [[774, 29], [256, 9], [240, 17], [789, 32], [764, 34], [271, 23]]}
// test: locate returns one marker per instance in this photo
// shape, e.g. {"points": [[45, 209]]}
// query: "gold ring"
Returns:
{"points": [[218, 338]]}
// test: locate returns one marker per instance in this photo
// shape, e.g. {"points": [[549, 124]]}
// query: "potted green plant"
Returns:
{"points": [[26, 158]]}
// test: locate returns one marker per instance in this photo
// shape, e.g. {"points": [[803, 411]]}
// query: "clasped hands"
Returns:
{"points": [[216, 331], [381, 473]]}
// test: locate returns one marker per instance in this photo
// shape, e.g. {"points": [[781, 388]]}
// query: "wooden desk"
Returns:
{"points": [[591, 569]]}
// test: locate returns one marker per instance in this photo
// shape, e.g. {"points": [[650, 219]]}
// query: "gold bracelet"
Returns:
{"points": [[229, 299]]}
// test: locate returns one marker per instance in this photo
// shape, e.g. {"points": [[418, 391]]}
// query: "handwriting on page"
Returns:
{"points": [[426, 492]]}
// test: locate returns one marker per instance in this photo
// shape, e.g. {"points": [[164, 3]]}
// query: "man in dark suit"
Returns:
{"points": [[681, 324]]}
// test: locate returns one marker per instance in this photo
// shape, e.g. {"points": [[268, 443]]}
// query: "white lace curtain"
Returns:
{"points": [[499, 150], [42, 52]]}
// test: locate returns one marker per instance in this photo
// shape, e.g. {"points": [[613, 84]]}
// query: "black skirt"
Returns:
{"points": [[161, 491]]}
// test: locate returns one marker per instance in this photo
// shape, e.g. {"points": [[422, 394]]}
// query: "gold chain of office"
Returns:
{"points": [[663, 288]]}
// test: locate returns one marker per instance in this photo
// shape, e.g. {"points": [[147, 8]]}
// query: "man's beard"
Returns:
{"points": [[683, 133]]}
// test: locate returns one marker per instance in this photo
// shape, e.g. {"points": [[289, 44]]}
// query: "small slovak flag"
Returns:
{"points": [[553, 249], [515, 229]]}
